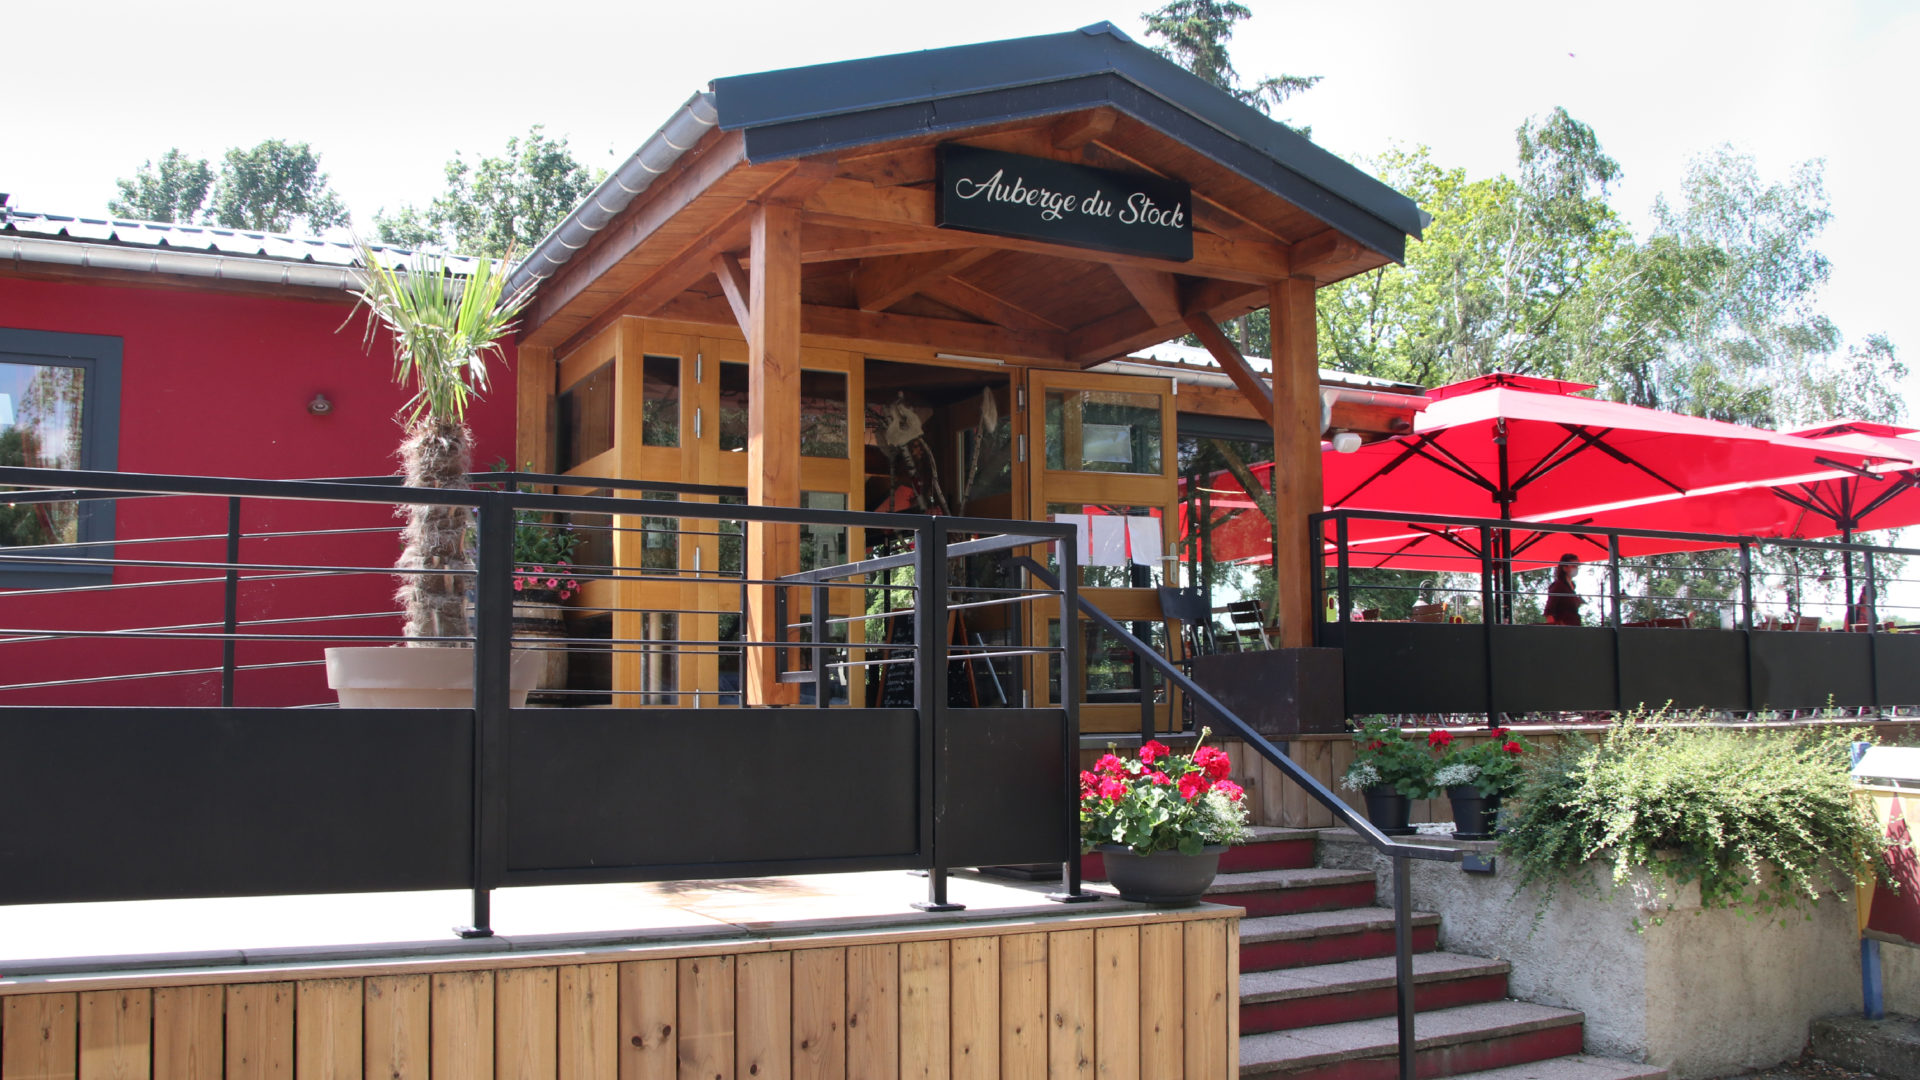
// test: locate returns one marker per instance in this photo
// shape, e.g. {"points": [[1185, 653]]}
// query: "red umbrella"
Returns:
{"points": [[1524, 449]]}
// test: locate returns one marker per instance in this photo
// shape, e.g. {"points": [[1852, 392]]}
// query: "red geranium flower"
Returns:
{"points": [[1088, 781], [1513, 748], [1193, 785], [1439, 738], [1215, 762], [1231, 790], [1497, 733], [1110, 765], [1112, 789], [1153, 751], [1160, 778], [1376, 744]]}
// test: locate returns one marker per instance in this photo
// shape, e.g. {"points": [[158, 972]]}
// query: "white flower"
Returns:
{"points": [[1455, 775], [1360, 777], [1220, 820]]}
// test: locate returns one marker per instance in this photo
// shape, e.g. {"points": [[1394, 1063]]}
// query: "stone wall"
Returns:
{"points": [[1703, 993]]}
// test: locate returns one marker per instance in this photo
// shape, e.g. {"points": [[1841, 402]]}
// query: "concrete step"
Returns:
{"points": [[1449, 1042], [1266, 848], [1360, 989], [1576, 1067], [1287, 892], [1327, 937]]}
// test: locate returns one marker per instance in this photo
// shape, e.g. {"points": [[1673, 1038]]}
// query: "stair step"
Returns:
{"points": [[1286, 892], [1448, 1042], [1576, 1067], [1359, 989], [1327, 937]]}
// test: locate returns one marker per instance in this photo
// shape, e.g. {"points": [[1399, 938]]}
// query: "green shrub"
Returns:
{"points": [[1761, 820]]}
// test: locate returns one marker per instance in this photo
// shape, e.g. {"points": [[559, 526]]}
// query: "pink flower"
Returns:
{"points": [[553, 583], [1231, 790], [1112, 789], [537, 570], [519, 584], [1160, 778]]}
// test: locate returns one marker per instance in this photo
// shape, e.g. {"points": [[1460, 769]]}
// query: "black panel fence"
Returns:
{"points": [[164, 731], [1721, 623]]}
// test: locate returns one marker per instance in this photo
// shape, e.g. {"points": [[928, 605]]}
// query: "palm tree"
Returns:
{"points": [[444, 329]]}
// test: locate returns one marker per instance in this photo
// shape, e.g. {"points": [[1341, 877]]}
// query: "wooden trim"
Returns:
{"points": [[535, 392], [1157, 292], [881, 282], [982, 304], [733, 282]]}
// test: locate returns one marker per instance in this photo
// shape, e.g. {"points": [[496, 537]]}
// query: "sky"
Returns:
{"points": [[388, 91]]}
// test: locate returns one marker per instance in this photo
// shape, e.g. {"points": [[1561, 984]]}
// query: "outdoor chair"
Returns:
{"points": [[1429, 613], [1807, 622], [1246, 625]]}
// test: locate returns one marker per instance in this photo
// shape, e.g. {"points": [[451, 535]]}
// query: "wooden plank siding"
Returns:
{"points": [[1112, 997]]}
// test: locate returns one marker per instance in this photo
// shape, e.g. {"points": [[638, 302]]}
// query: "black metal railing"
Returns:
{"points": [[1474, 629], [1398, 854], [161, 644]]}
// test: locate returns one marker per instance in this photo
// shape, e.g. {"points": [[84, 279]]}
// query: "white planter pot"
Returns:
{"points": [[425, 677]]}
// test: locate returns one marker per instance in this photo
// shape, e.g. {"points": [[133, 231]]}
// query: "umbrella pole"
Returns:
{"points": [[1847, 611]]}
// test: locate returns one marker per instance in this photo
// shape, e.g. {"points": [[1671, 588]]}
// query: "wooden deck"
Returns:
{"points": [[1018, 990]]}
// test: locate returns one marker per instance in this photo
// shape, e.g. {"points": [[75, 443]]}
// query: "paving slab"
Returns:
{"points": [[1576, 1067], [1327, 1044], [1303, 878], [1351, 975], [1308, 924]]}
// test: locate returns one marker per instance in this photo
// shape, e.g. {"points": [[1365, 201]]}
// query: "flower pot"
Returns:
{"points": [[418, 677], [1473, 813], [1164, 878], [546, 622], [1388, 810]]}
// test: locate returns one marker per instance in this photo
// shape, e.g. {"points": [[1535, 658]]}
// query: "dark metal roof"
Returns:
{"points": [[809, 110]]}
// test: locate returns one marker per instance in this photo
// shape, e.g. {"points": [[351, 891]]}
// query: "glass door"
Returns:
{"points": [[1101, 455]]}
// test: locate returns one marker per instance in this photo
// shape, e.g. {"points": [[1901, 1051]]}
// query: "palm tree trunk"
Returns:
{"points": [[437, 453]]}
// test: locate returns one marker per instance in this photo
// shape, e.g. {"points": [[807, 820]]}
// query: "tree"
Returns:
{"points": [[1196, 34], [498, 204], [173, 190], [273, 185], [268, 188]]}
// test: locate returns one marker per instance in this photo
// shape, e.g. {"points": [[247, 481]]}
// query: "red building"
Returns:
{"points": [[140, 347]]}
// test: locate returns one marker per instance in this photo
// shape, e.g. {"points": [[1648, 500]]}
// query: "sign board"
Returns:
{"points": [[987, 191]]}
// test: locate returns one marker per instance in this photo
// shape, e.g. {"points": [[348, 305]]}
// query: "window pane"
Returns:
{"points": [[660, 401], [660, 536], [1103, 431], [586, 418], [822, 545], [733, 406], [40, 427], [823, 414], [659, 658], [1121, 547]]}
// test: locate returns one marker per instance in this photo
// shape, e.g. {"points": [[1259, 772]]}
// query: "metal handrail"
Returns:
{"points": [[1240, 729]]}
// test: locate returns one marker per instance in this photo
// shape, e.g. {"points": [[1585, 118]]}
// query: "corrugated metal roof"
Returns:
{"points": [[271, 247], [1173, 352]]}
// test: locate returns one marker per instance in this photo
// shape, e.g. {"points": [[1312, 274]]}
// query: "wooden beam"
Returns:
{"points": [[823, 321], [773, 434], [840, 243], [671, 278], [733, 282], [1157, 292], [1076, 131], [880, 283], [1227, 355], [982, 304], [1367, 418], [1297, 491], [1322, 250], [1132, 328], [910, 211], [652, 208]]}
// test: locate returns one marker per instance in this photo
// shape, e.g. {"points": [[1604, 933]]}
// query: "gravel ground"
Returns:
{"points": [[1806, 1068]]}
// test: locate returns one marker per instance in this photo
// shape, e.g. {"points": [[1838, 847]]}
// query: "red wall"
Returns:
{"points": [[217, 384]]}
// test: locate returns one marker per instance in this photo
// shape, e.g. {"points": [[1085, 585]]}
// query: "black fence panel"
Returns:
{"points": [[999, 797], [1552, 668], [1800, 670], [1689, 669], [137, 804], [1415, 668], [657, 794], [1896, 669]]}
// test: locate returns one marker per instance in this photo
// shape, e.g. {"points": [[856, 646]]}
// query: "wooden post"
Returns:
{"points": [[534, 378], [1297, 488], [773, 433]]}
